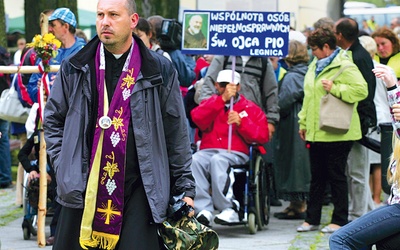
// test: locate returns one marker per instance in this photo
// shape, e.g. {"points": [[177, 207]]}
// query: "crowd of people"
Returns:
{"points": [[132, 121]]}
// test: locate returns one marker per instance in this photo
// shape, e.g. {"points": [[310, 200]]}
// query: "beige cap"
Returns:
{"points": [[226, 76]]}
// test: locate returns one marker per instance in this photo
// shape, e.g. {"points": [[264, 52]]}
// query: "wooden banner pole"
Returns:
{"points": [[25, 69], [42, 208]]}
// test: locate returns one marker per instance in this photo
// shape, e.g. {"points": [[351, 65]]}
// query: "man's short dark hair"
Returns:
{"points": [[348, 27], [156, 22], [131, 6]]}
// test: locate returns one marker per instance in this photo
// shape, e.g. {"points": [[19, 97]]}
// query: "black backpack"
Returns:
{"points": [[264, 63]]}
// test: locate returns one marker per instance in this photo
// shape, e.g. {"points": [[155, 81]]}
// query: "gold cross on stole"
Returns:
{"points": [[108, 212]]}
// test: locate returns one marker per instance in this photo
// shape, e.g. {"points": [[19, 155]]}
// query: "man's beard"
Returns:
{"points": [[194, 30]]}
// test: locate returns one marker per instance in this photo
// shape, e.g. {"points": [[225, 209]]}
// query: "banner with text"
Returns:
{"points": [[236, 33]]}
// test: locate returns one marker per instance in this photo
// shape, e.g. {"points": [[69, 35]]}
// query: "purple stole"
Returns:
{"points": [[104, 201]]}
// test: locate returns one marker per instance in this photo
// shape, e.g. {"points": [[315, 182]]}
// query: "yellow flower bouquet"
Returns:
{"points": [[46, 47]]}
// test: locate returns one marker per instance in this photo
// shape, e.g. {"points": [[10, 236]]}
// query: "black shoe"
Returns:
{"points": [[204, 217], [283, 213], [292, 215], [203, 220], [275, 202], [50, 241]]}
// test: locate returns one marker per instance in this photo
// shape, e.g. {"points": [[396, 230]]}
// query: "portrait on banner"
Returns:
{"points": [[195, 34]]}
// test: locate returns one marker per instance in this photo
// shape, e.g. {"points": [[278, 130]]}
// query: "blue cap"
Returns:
{"points": [[64, 14]]}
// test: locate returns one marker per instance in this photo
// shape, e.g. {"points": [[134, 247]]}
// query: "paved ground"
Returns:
{"points": [[278, 235]]}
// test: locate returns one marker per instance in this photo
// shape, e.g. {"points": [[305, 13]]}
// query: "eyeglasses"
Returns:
{"points": [[223, 84]]}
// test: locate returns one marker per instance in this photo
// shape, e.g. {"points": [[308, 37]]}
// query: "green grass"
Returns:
{"points": [[12, 214], [314, 240], [317, 241], [14, 157], [14, 170]]}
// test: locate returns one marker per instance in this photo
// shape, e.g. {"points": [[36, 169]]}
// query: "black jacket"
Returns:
{"points": [[366, 108]]}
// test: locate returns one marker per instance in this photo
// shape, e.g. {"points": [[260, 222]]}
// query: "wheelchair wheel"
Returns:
{"points": [[25, 201], [252, 223], [26, 229], [33, 226], [266, 190], [261, 197], [27, 234]]}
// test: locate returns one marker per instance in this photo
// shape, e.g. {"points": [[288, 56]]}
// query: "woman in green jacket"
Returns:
{"points": [[329, 151]]}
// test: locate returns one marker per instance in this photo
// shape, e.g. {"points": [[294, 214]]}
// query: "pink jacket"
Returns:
{"points": [[211, 117]]}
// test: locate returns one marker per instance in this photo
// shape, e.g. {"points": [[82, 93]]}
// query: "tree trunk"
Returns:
{"points": [[165, 8], [72, 5], [170, 8], [144, 8], [33, 8], [3, 36]]}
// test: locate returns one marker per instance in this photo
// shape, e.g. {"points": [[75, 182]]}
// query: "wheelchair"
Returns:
{"points": [[30, 205], [29, 224], [251, 189]]}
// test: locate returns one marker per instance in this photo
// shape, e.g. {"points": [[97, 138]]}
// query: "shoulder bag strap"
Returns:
{"points": [[339, 72]]}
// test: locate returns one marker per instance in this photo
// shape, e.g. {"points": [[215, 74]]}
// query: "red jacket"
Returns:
{"points": [[211, 117]]}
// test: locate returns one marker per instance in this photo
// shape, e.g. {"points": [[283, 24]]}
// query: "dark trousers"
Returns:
{"points": [[137, 230], [54, 220], [328, 163]]}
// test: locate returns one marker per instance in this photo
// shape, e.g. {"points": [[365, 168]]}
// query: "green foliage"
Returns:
{"points": [[165, 8], [14, 157], [3, 37], [14, 172], [33, 8]]}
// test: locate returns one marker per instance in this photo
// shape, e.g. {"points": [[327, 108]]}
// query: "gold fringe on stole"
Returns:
{"points": [[106, 241], [88, 243], [86, 239]]}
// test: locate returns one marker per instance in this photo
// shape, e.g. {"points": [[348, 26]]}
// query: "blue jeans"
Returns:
{"points": [[5, 156], [379, 226]]}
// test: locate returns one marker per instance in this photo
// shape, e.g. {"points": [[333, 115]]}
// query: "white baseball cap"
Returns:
{"points": [[298, 36], [226, 76]]}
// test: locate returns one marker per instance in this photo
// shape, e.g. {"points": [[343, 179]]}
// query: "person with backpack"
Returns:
{"points": [[145, 32], [258, 84], [184, 64]]}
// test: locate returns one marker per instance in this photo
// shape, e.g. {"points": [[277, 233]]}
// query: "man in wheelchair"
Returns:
{"points": [[211, 164]]}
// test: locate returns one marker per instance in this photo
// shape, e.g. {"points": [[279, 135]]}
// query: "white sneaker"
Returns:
{"points": [[205, 217], [227, 216]]}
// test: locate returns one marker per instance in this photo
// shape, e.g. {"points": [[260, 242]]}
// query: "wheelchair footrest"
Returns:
{"points": [[224, 223]]}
